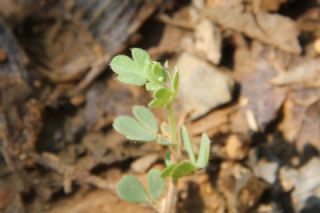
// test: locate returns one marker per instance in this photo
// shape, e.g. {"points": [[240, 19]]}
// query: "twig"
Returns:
{"points": [[96, 69], [176, 23], [71, 173]]}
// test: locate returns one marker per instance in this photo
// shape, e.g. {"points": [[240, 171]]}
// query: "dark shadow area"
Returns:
{"points": [[193, 203], [312, 205], [228, 51], [52, 131], [296, 8]]}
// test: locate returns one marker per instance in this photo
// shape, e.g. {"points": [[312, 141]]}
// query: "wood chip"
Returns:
{"points": [[272, 29], [3, 55]]}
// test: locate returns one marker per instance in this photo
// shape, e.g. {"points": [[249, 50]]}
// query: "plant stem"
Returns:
{"points": [[171, 200], [172, 124]]}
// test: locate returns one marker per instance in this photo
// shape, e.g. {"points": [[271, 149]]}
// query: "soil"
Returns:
{"points": [[249, 79]]}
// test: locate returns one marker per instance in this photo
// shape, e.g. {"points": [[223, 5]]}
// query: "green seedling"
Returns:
{"points": [[141, 70]]}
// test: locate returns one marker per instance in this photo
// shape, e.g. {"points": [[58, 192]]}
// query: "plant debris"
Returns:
{"points": [[249, 74]]}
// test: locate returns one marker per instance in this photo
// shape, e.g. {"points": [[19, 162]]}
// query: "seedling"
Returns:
{"points": [[140, 70]]}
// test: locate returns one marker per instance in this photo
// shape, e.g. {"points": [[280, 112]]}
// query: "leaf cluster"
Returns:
{"points": [[140, 70]]}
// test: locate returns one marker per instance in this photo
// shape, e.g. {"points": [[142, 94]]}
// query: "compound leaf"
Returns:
{"points": [[146, 118], [156, 73], [128, 71], [162, 97], [156, 183], [130, 189], [132, 129]]}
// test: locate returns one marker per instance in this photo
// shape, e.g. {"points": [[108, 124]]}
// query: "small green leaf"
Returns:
{"points": [[168, 171], [183, 169], [140, 57], [130, 189], [122, 64], [167, 159], [156, 183], [204, 152], [175, 81], [162, 98], [132, 129], [187, 144], [153, 87], [163, 141], [132, 78], [156, 74], [128, 71], [146, 118], [155, 103], [163, 93]]}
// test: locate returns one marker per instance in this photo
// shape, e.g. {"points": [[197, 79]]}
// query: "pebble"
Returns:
{"points": [[235, 148], [3, 55], [142, 164], [202, 87], [267, 171]]}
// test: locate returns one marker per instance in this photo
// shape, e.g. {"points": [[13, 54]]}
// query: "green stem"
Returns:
{"points": [[171, 200], [172, 124]]}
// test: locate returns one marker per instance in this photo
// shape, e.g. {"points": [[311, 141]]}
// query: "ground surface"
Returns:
{"points": [[249, 79]]}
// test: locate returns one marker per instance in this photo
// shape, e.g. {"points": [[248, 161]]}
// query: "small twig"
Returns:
{"points": [[187, 25], [51, 161], [96, 69]]}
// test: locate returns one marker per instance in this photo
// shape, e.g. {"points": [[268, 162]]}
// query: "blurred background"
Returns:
{"points": [[250, 79]]}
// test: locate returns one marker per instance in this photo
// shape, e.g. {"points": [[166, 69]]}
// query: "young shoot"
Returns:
{"points": [[142, 126]]}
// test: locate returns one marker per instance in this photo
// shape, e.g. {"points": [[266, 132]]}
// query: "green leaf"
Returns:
{"points": [[164, 94], [132, 78], [163, 141], [141, 128], [153, 87], [156, 183], [122, 64], [162, 97], [187, 144], [132, 129], [156, 73], [140, 57], [167, 159], [183, 169], [155, 103], [128, 71], [175, 81], [203, 157], [130, 189], [178, 170], [146, 118], [168, 171]]}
